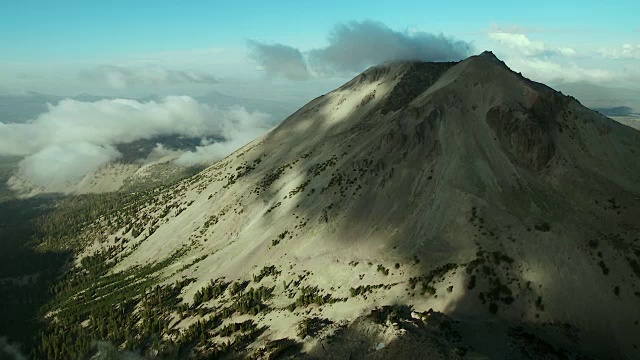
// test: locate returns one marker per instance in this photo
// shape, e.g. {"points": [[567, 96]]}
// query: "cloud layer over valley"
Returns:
{"points": [[74, 138]]}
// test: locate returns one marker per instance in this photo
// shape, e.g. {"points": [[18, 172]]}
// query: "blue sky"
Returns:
{"points": [[290, 51], [45, 43]]}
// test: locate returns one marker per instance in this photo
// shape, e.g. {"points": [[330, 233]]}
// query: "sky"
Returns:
{"points": [[285, 51], [56, 46]]}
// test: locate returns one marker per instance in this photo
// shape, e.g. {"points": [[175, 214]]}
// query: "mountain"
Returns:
{"points": [[421, 210]]}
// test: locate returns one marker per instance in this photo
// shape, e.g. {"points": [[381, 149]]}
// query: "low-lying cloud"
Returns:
{"points": [[279, 60], [119, 77], [353, 47], [59, 163], [75, 138], [240, 128], [626, 51]]}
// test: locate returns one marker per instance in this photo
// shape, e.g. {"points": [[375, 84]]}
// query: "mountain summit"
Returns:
{"points": [[435, 209]]}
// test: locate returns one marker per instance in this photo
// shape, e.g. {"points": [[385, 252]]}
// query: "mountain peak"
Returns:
{"points": [[458, 187], [489, 55]]}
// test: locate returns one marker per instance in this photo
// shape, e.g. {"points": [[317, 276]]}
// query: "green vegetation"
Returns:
{"points": [[276, 349], [212, 291], [280, 237], [237, 287], [390, 313], [312, 295], [266, 271], [383, 270], [603, 266], [543, 226], [232, 328], [311, 326], [434, 275], [252, 301], [364, 289]]}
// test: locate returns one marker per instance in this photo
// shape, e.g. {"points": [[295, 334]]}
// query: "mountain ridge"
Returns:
{"points": [[485, 196]]}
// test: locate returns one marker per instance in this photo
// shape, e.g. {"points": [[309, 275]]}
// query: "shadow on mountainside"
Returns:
{"points": [[26, 274], [391, 183]]}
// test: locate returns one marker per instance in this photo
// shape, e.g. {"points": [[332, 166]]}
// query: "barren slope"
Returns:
{"points": [[463, 188]]}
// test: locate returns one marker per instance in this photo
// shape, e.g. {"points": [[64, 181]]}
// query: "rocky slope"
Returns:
{"points": [[499, 217]]}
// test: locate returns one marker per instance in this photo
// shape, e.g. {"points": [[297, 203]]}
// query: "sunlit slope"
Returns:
{"points": [[461, 187]]}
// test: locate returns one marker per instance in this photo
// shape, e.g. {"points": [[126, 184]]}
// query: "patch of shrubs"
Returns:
{"points": [[237, 287], [277, 349], [603, 266], [209, 292], [543, 226], [266, 271], [363, 290], [390, 313], [311, 326], [251, 302], [434, 274], [232, 328], [312, 295], [383, 270]]}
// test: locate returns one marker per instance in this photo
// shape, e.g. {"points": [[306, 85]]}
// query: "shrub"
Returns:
{"points": [[383, 270], [543, 226]]}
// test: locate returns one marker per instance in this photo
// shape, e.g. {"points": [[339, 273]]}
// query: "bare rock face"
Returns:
{"points": [[418, 78], [521, 135]]}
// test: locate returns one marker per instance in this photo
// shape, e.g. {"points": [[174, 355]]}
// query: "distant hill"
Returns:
{"points": [[602, 97]]}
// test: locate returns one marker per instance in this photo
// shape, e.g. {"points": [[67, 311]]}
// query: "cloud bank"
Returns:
{"points": [[239, 128], [353, 47], [550, 72], [279, 60], [562, 64], [356, 45], [75, 138], [626, 51], [119, 77]]}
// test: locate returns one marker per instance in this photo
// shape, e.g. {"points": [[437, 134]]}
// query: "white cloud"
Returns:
{"points": [[626, 51], [77, 137], [549, 71], [566, 51], [526, 46], [244, 128], [353, 47], [119, 77], [60, 163]]}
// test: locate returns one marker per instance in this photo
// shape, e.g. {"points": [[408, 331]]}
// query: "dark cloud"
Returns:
{"points": [[279, 60], [120, 77], [356, 45]]}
